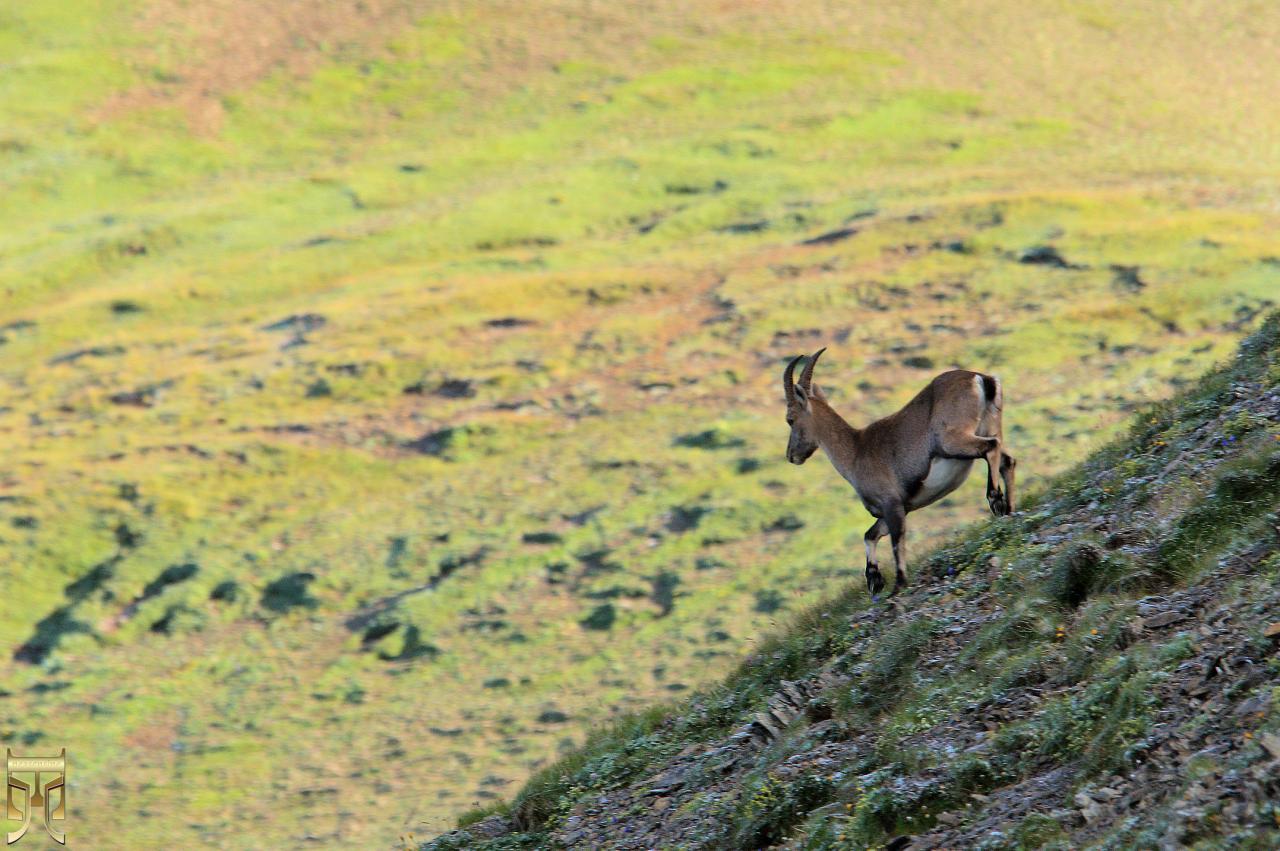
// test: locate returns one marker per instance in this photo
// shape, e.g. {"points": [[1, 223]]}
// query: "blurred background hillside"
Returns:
{"points": [[391, 389]]}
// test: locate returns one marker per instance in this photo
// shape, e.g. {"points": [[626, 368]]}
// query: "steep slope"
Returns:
{"points": [[395, 382], [1098, 671]]}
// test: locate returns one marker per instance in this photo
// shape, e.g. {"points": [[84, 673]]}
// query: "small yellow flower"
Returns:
{"points": [[1248, 735], [1093, 632]]}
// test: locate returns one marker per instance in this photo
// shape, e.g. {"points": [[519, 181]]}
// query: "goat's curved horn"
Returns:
{"points": [[788, 379], [806, 377]]}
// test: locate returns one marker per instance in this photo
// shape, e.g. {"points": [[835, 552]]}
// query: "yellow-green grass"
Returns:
{"points": [[575, 167]]}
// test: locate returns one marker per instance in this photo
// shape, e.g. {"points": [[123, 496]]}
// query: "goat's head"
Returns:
{"points": [[801, 396]]}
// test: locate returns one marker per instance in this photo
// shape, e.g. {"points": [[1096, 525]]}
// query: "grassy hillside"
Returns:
{"points": [[1097, 671], [391, 388]]}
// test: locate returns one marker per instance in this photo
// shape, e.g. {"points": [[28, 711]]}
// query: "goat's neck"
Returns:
{"points": [[838, 439]]}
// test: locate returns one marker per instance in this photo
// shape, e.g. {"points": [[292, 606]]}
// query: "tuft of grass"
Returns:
{"points": [[624, 748], [1243, 491], [1081, 570], [888, 671], [768, 808]]}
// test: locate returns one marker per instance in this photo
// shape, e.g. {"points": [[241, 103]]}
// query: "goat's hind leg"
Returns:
{"points": [[875, 581], [1007, 467], [1001, 501], [956, 443]]}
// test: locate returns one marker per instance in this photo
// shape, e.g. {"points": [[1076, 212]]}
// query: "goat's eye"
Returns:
{"points": [[791, 421]]}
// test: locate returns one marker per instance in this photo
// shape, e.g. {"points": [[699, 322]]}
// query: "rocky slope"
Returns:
{"points": [[1099, 670]]}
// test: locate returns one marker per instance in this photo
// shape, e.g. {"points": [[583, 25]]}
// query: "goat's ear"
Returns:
{"points": [[816, 392], [802, 396]]}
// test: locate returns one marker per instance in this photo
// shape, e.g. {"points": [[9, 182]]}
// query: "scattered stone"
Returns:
{"points": [[1163, 619], [712, 438], [682, 518], [289, 592], [785, 523], [1127, 278], [319, 389], [1044, 255], [494, 827], [830, 237], [433, 443], [91, 352], [690, 189], [601, 618], [300, 322], [122, 307], [226, 591], [745, 227], [456, 388]]}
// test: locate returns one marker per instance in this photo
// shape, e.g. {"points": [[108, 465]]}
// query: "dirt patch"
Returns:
{"points": [[200, 52]]}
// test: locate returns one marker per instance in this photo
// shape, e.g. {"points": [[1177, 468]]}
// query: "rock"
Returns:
{"points": [[745, 227], [712, 438], [660, 804], [1272, 630], [456, 388], [1163, 619], [665, 783], [601, 618], [1271, 744], [1128, 278], [1044, 255], [93, 351], [493, 827], [298, 322], [830, 237]]}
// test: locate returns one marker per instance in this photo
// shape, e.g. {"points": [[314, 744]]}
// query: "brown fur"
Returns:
{"points": [[909, 459]]}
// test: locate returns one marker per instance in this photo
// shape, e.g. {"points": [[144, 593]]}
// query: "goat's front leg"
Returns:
{"points": [[896, 520], [875, 581]]}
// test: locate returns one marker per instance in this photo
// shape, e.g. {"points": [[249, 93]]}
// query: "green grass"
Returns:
{"points": [[412, 181]]}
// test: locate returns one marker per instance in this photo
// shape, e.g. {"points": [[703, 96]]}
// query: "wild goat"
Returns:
{"points": [[909, 459]]}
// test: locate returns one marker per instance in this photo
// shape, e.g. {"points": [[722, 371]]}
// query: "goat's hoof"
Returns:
{"points": [[999, 505], [875, 583]]}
